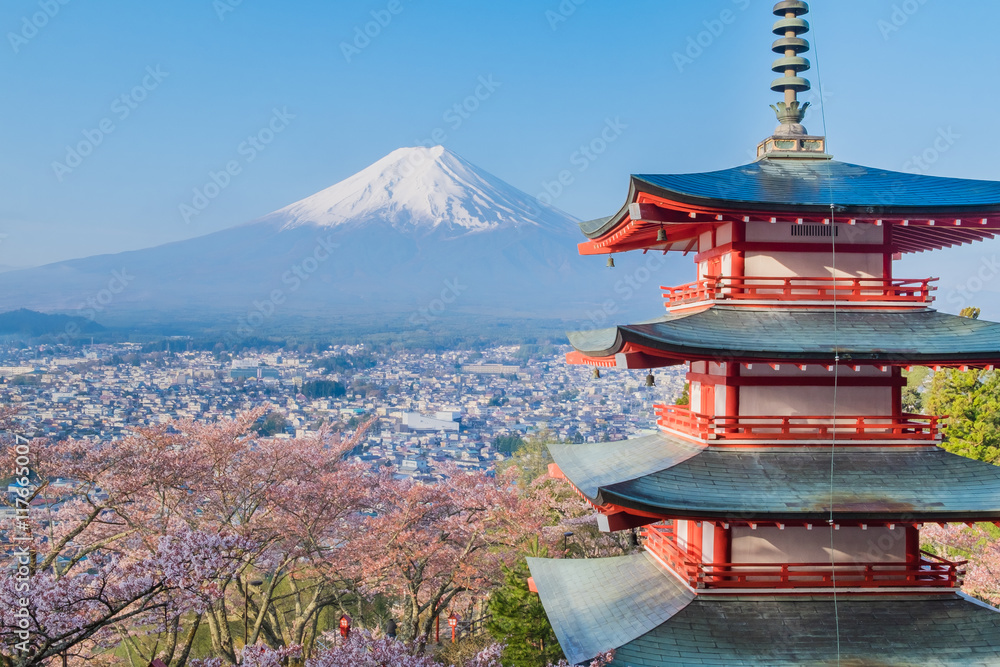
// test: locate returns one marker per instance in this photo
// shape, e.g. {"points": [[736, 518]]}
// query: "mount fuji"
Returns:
{"points": [[418, 236]]}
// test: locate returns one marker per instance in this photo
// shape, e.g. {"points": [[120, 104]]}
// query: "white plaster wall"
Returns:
{"points": [[798, 545], [708, 542], [846, 233], [724, 234], [681, 530], [705, 242], [818, 401], [720, 399], [813, 265], [727, 265]]}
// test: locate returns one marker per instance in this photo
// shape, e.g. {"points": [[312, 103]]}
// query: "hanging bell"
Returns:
{"points": [[661, 236], [611, 261], [650, 380], [597, 373]]}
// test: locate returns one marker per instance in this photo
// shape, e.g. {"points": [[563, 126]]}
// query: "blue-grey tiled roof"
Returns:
{"points": [[804, 185], [634, 605], [591, 466], [939, 631], [870, 484], [598, 604], [768, 334], [782, 182]]}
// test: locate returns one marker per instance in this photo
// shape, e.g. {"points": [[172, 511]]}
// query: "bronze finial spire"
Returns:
{"points": [[790, 44], [791, 139]]}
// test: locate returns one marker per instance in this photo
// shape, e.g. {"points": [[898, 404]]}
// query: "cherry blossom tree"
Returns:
{"points": [[981, 546], [47, 613], [567, 511], [302, 503], [361, 649], [142, 541], [430, 545], [137, 547]]}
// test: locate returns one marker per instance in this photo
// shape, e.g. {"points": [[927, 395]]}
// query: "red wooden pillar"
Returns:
{"points": [[896, 373], [738, 259], [707, 406], [912, 544], [887, 257], [723, 544], [695, 538], [732, 389]]}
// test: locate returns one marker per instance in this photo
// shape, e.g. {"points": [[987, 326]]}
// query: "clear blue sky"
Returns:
{"points": [[889, 95]]}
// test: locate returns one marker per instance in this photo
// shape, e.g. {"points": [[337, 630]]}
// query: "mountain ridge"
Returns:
{"points": [[383, 244], [420, 187]]}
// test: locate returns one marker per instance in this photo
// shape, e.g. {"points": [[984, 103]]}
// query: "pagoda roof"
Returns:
{"points": [[806, 187], [791, 484], [633, 605], [773, 334], [597, 604], [948, 630], [811, 185]]}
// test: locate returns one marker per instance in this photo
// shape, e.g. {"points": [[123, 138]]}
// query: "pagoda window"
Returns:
{"points": [[790, 232], [851, 544], [781, 264], [795, 400]]}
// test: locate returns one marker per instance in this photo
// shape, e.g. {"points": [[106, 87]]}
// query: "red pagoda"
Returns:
{"points": [[781, 510]]}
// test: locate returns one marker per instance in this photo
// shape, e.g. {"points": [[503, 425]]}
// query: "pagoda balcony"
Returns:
{"points": [[906, 430], [800, 292], [929, 571]]}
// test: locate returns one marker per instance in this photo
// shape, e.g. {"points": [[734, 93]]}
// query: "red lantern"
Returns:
{"points": [[345, 626], [453, 622]]}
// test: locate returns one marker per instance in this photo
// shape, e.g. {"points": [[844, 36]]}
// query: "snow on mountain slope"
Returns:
{"points": [[422, 189], [385, 241]]}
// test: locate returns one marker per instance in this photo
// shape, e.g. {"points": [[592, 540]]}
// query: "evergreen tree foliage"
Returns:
{"points": [[532, 459], [913, 392], [685, 397], [323, 389], [971, 402], [508, 444], [518, 618], [271, 424]]}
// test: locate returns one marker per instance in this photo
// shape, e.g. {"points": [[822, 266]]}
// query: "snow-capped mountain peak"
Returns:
{"points": [[421, 189]]}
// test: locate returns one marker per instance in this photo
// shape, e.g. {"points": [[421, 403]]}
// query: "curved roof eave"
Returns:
{"points": [[811, 186], [921, 484], [910, 337], [663, 475], [595, 229], [598, 604], [784, 631]]}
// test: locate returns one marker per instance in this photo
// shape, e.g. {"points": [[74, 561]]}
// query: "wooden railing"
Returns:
{"points": [[907, 427], [855, 291], [928, 571]]}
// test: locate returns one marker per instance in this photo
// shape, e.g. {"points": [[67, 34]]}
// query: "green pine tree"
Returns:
{"points": [[518, 618], [971, 402], [531, 459], [685, 397], [913, 392]]}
